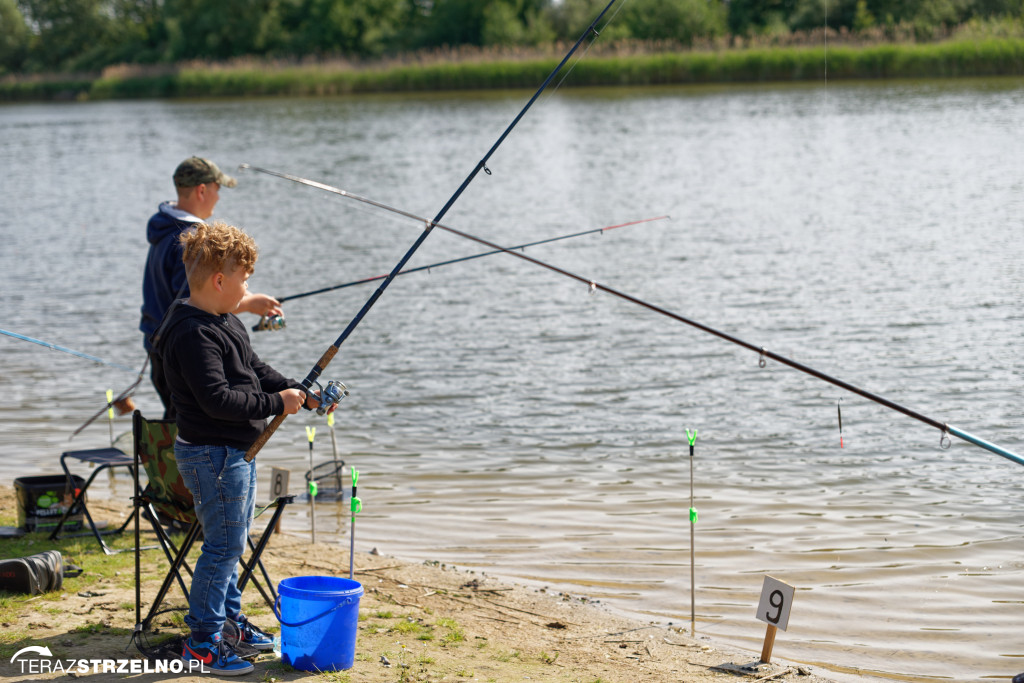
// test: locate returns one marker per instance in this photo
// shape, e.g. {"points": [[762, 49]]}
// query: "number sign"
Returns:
{"points": [[776, 599], [278, 482]]}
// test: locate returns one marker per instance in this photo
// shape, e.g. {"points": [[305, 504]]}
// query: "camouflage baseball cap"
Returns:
{"points": [[196, 171]]}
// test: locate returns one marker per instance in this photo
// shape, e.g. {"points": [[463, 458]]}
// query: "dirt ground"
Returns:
{"points": [[417, 622]]}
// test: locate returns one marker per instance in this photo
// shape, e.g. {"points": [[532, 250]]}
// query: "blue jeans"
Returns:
{"points": [[223, 485]]}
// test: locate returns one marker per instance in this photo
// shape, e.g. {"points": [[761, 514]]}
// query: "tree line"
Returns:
{"points": [[87, 35]]}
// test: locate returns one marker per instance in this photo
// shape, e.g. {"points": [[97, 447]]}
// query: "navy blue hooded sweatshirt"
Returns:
{"points": [[165, 272], [221, 390]]}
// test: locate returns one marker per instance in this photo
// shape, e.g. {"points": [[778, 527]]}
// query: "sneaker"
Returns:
{"points": [[252, 635], [216, 656]]}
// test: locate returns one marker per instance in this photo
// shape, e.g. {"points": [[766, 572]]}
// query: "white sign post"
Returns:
{"points": [[773, 609]]}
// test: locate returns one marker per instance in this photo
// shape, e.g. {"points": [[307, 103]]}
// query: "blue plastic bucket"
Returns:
{"points": [[318, 616]]}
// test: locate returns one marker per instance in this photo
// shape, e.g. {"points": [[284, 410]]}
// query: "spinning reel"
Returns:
{"points": [[330, 395], [270, 323]]}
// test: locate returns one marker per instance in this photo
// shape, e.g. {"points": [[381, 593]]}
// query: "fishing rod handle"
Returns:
{"points": [[278, 419], [264, 437]]}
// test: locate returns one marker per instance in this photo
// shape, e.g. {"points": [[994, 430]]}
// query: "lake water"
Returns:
{"points": [[505, 419]]}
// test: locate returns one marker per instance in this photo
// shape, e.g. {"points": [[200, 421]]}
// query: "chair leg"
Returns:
{"points": [[259, 586], [257, 553], [174, 573], [258, 550], [170, 550], [79, 500]]}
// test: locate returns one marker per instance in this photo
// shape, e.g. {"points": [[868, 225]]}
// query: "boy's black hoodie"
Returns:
{"points": [[221, 390]]}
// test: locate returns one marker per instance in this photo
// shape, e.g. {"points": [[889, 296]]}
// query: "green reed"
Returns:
{"points": [[996, 56]]}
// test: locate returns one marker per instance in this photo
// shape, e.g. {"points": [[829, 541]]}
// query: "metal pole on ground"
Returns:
{"points": [[110, 419], [310, 433], [334, 449], [693, 525], [356, 507]]}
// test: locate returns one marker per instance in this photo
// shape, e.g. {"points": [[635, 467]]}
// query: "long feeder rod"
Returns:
{"points": [[55, 347], [763, 353], [364, 281], [328, 355], [122, 403]]}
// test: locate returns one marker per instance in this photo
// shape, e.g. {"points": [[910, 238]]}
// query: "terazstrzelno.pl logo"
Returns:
{"points": [[37, 665]]}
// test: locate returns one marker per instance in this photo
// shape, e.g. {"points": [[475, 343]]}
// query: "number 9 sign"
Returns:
{"points": [[776, 599]]}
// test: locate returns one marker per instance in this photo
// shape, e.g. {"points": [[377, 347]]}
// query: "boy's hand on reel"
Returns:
{"points": [[293, 400], [313, 402]]}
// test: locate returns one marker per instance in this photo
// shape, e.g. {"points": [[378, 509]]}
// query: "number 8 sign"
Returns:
{"points": [[776, 599]]}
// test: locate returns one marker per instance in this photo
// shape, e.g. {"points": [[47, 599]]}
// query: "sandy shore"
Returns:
{"points": [[417, 622]]}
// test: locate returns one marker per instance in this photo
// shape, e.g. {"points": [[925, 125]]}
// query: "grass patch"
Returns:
{"points": [[256, 608], [407, 627], [100, 627], [507, 656], [335, 676], [453, 632]]}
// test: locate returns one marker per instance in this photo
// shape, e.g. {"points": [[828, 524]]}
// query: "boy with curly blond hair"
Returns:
{"points": [[222, 393]]}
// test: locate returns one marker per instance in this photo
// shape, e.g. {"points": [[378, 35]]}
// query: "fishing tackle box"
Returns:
{"points": [[43, 499]]}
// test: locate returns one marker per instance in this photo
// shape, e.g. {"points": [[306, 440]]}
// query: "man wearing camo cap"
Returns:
{"points": [[198, 182]]}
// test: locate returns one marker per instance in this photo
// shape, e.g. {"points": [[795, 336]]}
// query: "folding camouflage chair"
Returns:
{"points": [[167, 501]]}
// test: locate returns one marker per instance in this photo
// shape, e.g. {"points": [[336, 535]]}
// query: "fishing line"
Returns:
{"points": [[825, 33], [460, 259], [585, 51], [332, 350], [763, 354]]}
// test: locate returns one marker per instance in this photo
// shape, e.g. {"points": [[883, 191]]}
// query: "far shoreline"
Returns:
{"points": [[953, 58]]}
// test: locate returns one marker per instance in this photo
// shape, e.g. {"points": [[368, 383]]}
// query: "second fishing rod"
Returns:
{"points": [[765, 355], [277, 322], [332, 350]]}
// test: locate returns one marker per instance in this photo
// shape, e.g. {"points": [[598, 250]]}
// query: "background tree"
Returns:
{"points": [[756, 16], [520, 22], [138, 33], [63, 35], [354, 28], [199, 29], [70, 34], [14, 37], [680, 20], [569, 17]]}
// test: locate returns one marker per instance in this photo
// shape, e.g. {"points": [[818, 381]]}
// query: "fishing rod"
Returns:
{"points": [[123, 403], [481, 165], [763, 353], [266, 323], [55, 347], [449, 262]]}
